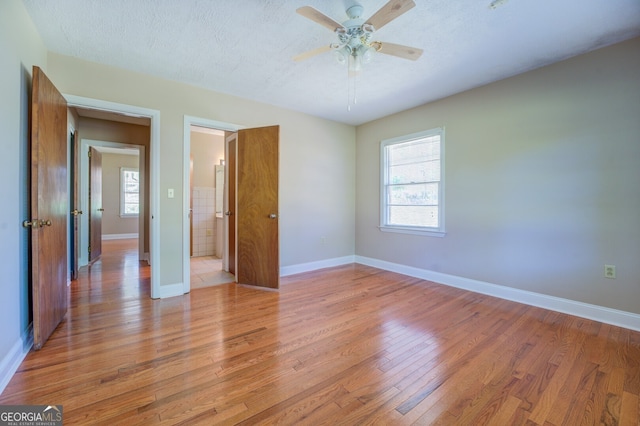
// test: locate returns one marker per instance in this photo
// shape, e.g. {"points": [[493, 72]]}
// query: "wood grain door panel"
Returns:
{"points": [[50, 206], [75, 205], [95, 204], [258, 261]]}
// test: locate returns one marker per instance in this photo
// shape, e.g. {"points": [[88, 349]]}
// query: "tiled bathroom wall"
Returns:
{"points": [[204, 215]]}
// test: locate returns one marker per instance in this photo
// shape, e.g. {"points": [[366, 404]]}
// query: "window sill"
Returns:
{"points": [[413, 231]]}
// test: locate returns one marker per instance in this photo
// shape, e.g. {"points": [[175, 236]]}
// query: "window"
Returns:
{"points": [[412, 197], [129, 192]]}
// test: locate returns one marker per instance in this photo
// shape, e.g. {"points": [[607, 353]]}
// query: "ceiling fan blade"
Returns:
{"points": [[319, 17], [389, 12], [310, 53], [399, 50]]}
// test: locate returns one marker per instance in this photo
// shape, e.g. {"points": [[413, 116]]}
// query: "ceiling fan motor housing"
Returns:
{"points": [[355, 34], [355, 11]]}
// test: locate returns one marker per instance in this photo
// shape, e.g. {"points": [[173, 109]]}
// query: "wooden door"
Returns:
{"points": [[95, 204], [74, 145], [258, 258], [230, 214], [49, 207]]}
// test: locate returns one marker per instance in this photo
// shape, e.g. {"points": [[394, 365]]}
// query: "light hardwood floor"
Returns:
{"points": [[347, 345]]}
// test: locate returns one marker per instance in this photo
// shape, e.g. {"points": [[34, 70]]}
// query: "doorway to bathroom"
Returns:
{"points": [[206, 191]]}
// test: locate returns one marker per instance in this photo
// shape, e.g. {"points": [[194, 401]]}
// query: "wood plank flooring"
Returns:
{"points": [[347, 345]]}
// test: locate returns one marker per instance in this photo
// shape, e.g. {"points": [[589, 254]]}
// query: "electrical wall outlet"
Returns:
{"points": [[610, 271]]}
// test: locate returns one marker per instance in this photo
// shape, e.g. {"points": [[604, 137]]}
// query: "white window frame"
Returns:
{"points": [[438, 231], [122, 203]]}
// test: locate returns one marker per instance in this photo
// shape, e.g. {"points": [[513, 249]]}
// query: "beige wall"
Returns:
{"points": [[206, 150], [317, 178], [542, 181], [112, 222], [113, 131]]}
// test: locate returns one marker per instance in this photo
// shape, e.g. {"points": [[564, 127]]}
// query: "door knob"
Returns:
{"points": [[33, 224], [273, 216], [100, 210], [228, 213], [76, 212]]}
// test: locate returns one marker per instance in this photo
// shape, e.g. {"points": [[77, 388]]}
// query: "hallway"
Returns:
{"points": [[117, 275]]}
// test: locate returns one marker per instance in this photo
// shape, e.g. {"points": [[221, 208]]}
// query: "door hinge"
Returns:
{"points": [[89, 154], [89, 249]]}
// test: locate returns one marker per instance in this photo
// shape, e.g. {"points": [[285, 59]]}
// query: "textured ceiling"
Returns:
{"points": [[245, 47]]}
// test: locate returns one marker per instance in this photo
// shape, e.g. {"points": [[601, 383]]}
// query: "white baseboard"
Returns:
{"points": [[145, 257], [118, 236], [594, 312], [10, 363], [171, 290], [312, 266]]}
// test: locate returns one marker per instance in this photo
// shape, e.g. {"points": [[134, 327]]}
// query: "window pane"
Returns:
{"points": [[131, 186], [419, 150], [424, 216], [131, 209], [131, 175], [131, 198], [424, 171], [412, 181], [416, 195]]}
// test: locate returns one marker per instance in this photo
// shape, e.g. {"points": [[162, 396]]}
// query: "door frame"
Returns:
{"points": [[73, 189], [230, 241], [186, 153], [154, 172], [95, 206]]}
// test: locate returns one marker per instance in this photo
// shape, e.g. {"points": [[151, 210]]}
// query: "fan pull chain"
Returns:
{"points": [[355, 88], [348, 88], [351, 74]]}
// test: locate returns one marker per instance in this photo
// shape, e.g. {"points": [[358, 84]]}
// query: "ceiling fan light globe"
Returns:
{"points": [[367, 54], [355, 64], [340, 56]]}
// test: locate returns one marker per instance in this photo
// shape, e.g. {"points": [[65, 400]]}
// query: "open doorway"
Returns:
{"points": [[254, 214], [117, 207], [113, 181], [206, 218], [123, 197], [90, 118], [214, 127]]}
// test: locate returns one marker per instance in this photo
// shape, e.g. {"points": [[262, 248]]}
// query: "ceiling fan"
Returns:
{"points": [[355, 45]]}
